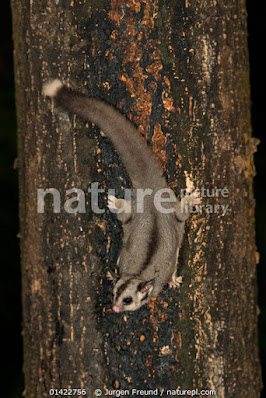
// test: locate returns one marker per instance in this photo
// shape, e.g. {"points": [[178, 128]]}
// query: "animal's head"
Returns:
{"points": [[131, 293]]}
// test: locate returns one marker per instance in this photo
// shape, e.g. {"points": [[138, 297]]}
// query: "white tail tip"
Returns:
{"points": [[51, 88]]}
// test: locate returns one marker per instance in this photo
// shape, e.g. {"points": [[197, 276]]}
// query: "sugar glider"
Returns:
{"points": [[149, 256]]}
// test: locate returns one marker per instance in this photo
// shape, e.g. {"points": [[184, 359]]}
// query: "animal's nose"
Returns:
{"points": [[116, 308]]}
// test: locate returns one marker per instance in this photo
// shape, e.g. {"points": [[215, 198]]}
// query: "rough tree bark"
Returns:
{"points": [[179, 70]]}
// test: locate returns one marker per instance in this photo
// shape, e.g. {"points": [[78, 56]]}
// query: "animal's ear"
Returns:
{"points": [[145, 287], [121, 207], [112, 276]]}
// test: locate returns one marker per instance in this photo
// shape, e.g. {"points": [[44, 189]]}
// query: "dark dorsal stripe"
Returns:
{"points": [[122, 288], [152, 243]]}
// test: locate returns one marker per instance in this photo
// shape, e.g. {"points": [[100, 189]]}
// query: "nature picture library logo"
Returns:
{"points": [[164, 200]]}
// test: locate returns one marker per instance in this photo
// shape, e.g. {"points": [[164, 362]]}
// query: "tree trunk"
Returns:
{"points": [[179, 70]]}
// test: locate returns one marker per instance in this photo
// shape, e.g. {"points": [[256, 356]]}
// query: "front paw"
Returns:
{"points": [[175, 282]]}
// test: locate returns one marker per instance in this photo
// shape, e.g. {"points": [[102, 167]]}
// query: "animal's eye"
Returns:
{"points": [[127, 300]]}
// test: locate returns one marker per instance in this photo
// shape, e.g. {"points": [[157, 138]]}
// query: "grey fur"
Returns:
{"points": [[151, 242]]}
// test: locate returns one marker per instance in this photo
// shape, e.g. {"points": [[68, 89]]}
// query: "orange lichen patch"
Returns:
{"points": [[168, 101], [134, 52], [153, 86], [110, 54], [132, 47], [108, 244], [176, 337], [168, 104], [106, 85], [156, 317], [148, 361], [143, 104], [116, 13], [137, 6], [155, 68], [159, 144], [153, 307], [152, 304], [177, 349], [190, 107], [101, 224], [163, 316], [166, 95], [128, 83]]}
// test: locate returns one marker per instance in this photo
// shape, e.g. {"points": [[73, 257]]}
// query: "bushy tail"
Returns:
{"points": [[143, 167]]}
